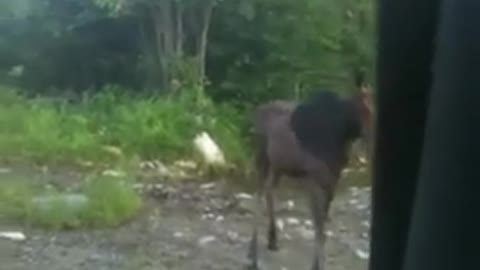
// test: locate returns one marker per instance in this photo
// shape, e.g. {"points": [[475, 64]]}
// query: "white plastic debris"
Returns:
{"points": [[209, 149], [15, 236], [364, 255], [4, 170], [206, 239]]}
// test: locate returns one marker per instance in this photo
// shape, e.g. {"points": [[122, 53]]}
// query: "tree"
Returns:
{"points": [[175, 32]]}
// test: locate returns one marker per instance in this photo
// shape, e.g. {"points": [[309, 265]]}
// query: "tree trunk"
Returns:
{"points": [[203, 38]]}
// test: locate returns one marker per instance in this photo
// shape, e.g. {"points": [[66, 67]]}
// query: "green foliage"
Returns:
{"points": [[151, 128], [257, 49]]}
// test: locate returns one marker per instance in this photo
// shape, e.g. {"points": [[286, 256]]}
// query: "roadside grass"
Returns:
{"points": [[111, 127], [100, 201]]}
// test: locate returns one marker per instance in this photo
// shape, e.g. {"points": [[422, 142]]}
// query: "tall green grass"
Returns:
{"points": [[147, 127]]}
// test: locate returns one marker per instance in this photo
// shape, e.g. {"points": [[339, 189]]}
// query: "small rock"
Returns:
{"points": [[366, 223], [113, 173], [232, 235], [158, 186], [364, 255], [287, 236], [206, 239], [362, 206], [329, 233], [207, 185], [185, 164], [306, 233], [280, 224], [178, 235], [219, 218], [308, 223], [365, 235], [353, 201], [243, 196], [293, 221], [15, 236], [113, 150]]}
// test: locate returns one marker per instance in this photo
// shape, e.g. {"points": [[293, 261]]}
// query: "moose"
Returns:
{"points": [[308, 141]]}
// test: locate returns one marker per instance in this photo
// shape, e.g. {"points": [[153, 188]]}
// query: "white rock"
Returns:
{"points": [[185, 164], [329, 233], [362, 206], [209, 149], [293, 221], [308, 223], [207, 185], [306, 233], [206, 239], [366, 223], [280, 224], [15, 236], [353, 201], [232, 235], [290, 204], [113, 173], [178, 235], [364, 255], [243, 196], [219, 218]]}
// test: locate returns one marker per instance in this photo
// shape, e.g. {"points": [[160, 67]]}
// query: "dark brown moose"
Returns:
{"points": [[308, 141]]}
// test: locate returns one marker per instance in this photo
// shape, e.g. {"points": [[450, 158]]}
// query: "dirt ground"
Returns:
{"points": [[199, 226]]}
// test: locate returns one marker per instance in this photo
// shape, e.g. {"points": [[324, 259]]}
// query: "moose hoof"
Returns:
{"points": [[252, 266], [272, 246]]}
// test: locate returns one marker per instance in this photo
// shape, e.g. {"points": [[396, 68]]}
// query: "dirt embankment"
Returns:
{"points": [[188, 226]]}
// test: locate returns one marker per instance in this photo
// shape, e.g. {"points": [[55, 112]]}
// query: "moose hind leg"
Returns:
{"points": [[272, 227], [319, 201], [262, 170]]}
